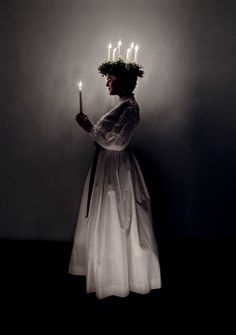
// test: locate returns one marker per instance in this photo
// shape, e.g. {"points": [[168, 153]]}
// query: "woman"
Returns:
{"points": [[114, 244]]}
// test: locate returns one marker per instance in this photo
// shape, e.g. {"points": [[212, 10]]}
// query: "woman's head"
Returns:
{"points": [[121, 76], [121, 86]]}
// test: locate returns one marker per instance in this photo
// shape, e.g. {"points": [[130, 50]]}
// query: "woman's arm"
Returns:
{"points": [[119, 134]]}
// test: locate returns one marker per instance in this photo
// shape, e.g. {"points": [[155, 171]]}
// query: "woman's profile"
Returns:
{"points": [[114, 244]]}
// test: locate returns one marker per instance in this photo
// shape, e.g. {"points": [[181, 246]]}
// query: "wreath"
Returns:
{"points": [[120, 68]]}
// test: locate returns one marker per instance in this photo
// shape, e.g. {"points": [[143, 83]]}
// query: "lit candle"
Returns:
{"points": [[114, 54], [131, 50], [128, 54], [109, 51], [119, 44], [80, 97], [136, 53]]}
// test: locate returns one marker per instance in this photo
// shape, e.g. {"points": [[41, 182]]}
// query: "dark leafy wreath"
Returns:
{"points": [[121, 68]]}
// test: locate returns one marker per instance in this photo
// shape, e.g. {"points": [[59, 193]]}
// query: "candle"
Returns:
{"points": [[114, 54], [131, 50], [119, 44], [109, 51], [136, 53], [80, 97], [128, 54]]}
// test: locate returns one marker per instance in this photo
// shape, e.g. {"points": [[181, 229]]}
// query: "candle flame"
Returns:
{"points": [[109, 46], [132, 45], [80, 85], [136, 48], [119, 43]]}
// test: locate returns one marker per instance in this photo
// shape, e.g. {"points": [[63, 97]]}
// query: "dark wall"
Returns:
{"points": [[186, 139]]}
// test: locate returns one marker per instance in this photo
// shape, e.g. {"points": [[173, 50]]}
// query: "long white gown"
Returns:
{"points": [[114, 244]]}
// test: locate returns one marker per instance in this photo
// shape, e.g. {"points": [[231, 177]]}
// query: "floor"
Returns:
{"points": [[198, 287]]}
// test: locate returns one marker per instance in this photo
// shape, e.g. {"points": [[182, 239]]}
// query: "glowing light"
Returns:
{"points": [[136, 53], [80, 97], [114, 54], [128, 54], [119, 44], [131, 52], [109, 51]]}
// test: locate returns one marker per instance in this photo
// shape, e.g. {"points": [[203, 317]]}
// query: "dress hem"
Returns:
{"points": [[114, 290]]}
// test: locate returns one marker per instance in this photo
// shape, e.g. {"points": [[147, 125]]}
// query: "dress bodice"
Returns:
{"points": [[114, 130]]}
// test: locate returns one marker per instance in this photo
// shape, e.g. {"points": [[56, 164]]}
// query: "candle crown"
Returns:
{"points": [[114, 54], [120, 68], [125, 68]]}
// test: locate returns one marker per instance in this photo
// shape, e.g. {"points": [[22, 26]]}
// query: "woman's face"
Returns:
{"points": [[113, 85]]}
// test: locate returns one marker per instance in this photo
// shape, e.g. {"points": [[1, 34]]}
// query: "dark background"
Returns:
{"points": [[185, 142], [186, 139]]}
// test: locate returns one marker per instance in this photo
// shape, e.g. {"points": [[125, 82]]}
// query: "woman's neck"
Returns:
{"points": [[126, 96]]}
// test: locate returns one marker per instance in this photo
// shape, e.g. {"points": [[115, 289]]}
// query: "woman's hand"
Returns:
{"points": [[84, 122]]}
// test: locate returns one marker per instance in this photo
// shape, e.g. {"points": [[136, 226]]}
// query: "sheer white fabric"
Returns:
{"points": [[114, 246]]}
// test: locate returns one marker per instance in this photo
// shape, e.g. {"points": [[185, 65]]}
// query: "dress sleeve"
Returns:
{"points": [[112, 134]]}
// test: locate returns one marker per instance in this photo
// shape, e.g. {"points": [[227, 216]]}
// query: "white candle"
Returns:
{"points": [[131, 51], [80, 97], [136, 53], [128, 54], [119, 44], [109, 52], [114, 54]]}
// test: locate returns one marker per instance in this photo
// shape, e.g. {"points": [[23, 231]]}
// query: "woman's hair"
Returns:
{"points": [[126, 73]]}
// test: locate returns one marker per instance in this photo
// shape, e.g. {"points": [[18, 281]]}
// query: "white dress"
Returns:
{"points": [[114, 244]]}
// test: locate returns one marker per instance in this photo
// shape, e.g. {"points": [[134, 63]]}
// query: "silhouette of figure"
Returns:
{"points": [[114, 243]]}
